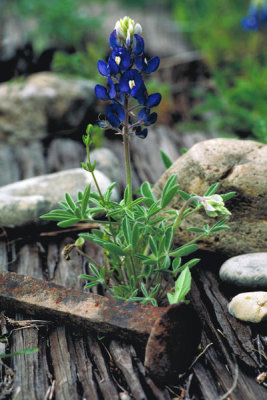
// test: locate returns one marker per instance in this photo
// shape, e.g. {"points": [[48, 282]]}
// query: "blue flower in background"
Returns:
{"points": [[125, 83], [257, 16]]}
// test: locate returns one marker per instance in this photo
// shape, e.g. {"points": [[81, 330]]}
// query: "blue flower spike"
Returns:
{"points": [[256, 19], [125, 85]]}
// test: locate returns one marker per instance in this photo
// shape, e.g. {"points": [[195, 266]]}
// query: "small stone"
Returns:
{"points": [[249, 307], [248, 270], [23, 202]]}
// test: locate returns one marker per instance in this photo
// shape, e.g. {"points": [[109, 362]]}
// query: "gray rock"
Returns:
{"points": [[108, 163], [41, 105], [23, 202], [8, 165], [238, 165], [249, 270], [65, 154], [250, 306]]}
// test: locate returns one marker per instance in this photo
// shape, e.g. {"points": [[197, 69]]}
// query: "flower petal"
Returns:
{"points": [[120, 112], [152, 65], [111, 89], [153, 100], [113, 67], [139, 62], [141, 133], [139, 45], [113, 40], [101, 92], [143, 114], [102, 68], [151, 119], [124, 83]]}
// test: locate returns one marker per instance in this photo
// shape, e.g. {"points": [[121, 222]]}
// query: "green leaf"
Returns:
{"points": [[85, 200], [127, 197], [155, 290], [212, 189], [91, 284], [168, 196], [78, 213], [189, 264], [168, 238], [126, 228], [148, 269], [176, 263], [94, 270], [113, 248], [143, 288], [182, 287], [185, 196], [167, 162], [135, 234], [184, 250], [129, 213], [108, 192], [136, 202], [16, 353], [147, 194], [70, 202], [152, 245], [172, 181], [200, 230], [227, 196], [68, 222], [219, 228]]}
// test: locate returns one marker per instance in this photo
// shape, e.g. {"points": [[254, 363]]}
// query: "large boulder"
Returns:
{"points": [[42, 104], [23, 202], [239, 166]]}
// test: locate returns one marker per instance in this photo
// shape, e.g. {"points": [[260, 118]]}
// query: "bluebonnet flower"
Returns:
{"points": [[124, 70], [257, 16]]}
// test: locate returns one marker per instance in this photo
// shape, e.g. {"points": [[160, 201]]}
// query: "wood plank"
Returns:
{"points": [[63, 367], [102, 372]]}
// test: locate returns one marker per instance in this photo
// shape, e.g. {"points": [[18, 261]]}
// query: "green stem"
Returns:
{"points": [[126, 139], [88, 257], [93, 175], [181, 212]]}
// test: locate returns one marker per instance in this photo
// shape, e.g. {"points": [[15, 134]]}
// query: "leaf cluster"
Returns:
{"points": [[137, 238]]}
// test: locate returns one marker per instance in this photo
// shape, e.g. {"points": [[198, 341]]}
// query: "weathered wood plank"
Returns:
{"points": [[63, 367], [102, 372], [31, 370], [84, 368], [121, 354], [231, 340]]}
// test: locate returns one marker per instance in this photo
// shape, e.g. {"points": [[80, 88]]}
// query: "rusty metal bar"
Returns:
{"points": [[43, 299]]}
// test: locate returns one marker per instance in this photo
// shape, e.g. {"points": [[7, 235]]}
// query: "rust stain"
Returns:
{"points": [[38, 297]]}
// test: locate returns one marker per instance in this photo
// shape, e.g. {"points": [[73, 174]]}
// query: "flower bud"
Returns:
{"points": [[214, 206], [126, 28]]}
